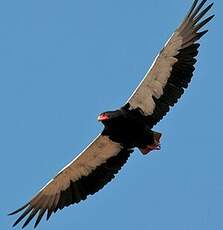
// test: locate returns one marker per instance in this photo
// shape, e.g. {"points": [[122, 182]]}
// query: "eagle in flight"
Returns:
{"points": [[128, 127]]}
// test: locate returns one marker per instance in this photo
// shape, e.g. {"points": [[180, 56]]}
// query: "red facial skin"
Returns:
{"points": [[103, 117]]}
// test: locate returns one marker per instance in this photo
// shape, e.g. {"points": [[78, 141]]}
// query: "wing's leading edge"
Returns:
{"points": [[172, 69], [85, 175]]}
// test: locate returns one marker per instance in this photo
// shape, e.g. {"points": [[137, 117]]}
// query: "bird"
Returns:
{"points": [[128, 127]]}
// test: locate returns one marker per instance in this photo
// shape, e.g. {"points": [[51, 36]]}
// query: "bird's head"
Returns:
{"points": [[108, 116], [104, 116]]}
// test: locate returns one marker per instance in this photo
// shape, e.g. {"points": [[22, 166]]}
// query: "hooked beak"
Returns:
{"points": [[103, 117]]}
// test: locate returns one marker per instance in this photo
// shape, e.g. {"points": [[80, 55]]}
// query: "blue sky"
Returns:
{"points": [[64, 62]]}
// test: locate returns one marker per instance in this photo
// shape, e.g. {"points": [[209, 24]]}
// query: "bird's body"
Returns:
{"points": [[128, 127]]}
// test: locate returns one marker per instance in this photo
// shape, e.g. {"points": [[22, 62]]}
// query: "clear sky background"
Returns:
{"points": [[64, 62]]}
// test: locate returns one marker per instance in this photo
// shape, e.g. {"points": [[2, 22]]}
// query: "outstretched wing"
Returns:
{"points": [[85, 175], [172, 69]]}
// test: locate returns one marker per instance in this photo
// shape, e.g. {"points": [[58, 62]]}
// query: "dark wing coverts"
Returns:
{"points": [[172, 69], [85, 175]]}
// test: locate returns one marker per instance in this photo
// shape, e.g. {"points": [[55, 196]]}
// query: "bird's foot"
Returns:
{"points": [[149, 148], [154, 146]]}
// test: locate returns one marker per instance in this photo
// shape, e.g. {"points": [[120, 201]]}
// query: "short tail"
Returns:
{"points": [[154, 146]]}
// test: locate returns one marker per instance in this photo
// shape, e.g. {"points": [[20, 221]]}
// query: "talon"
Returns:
{"points": [[154, 146], [149, 148]]}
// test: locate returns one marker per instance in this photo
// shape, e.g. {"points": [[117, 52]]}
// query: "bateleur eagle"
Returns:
{"points": [[128, 127]]}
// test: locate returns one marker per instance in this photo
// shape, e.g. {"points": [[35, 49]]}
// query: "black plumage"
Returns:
{"points": [[182, 70], [128, 127], [80, 189]]}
